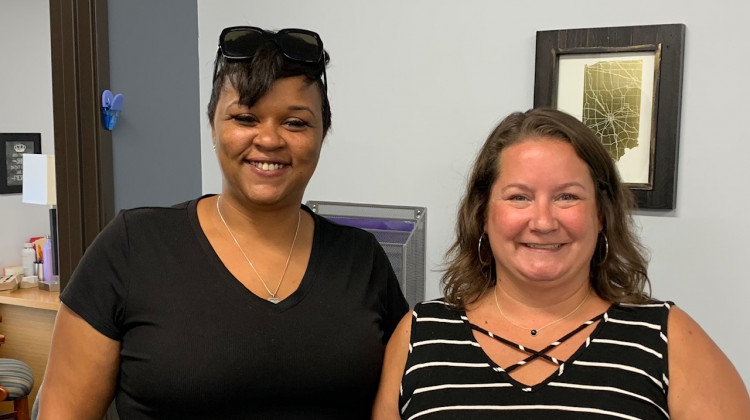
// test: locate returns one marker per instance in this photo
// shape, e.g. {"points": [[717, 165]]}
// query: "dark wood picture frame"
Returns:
{"points": [[15, 159], [667, 43]]}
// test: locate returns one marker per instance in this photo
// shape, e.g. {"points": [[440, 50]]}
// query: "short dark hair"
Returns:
{"points": [[618, 272], [253, 78]]}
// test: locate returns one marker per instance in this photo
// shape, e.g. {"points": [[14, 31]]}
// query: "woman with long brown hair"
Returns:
{"points": [[545, 311]]}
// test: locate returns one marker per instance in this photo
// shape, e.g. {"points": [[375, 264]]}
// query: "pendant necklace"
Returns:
{"points": [[535, 331], [272, 295]]}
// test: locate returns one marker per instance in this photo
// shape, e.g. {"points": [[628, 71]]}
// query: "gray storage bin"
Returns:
{"points": [[400, 231]]}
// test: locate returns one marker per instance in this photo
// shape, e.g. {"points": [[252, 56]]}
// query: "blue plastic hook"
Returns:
{"points": [[111, 107]]}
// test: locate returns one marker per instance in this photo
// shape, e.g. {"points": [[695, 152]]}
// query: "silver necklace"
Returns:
{"points": [[272, 295], [535, 331]]}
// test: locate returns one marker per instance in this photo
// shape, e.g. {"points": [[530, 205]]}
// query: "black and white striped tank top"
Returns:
{"points": [[619, 372]]}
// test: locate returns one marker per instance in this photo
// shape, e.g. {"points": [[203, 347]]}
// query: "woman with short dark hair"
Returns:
{"points": [[242, 305]]}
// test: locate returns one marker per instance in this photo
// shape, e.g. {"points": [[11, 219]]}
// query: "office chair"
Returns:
{"points": [[16, 381]]}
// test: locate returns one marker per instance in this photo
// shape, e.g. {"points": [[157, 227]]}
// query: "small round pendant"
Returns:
{"points": [[274, 300], [534, 332]]}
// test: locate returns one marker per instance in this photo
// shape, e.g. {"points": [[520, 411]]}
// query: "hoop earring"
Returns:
{"points": [[488, 278], [606, 248], [479, 252]]}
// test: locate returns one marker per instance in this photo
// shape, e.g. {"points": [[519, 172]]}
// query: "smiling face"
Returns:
{"points": [[268, 152], [542, 219]]}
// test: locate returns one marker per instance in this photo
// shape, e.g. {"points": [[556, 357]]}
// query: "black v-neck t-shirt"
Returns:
{"points": [[195, 343]]}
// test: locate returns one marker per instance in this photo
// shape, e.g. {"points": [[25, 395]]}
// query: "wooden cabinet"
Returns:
{"points": [[28, 318]]}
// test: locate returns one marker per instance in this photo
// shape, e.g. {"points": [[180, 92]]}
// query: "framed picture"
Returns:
{"points": [[13, 146], [625, 83]]}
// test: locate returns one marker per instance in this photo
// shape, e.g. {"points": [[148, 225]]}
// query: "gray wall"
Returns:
{"points": [[25, 107], [416, 86], [410, 113], [153, 55]]}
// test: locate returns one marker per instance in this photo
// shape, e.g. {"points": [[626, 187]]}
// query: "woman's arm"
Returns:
{"points": [[386, 401], [81, 372], [703, 383]]}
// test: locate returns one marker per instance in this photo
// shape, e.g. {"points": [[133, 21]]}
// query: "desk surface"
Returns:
{"points": [[32, 298]]}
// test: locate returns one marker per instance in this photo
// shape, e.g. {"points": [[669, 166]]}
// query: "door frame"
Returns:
{"points": [[83, 148]]}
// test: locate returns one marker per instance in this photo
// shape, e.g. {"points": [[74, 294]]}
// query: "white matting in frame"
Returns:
{"points": [[604, 87]]}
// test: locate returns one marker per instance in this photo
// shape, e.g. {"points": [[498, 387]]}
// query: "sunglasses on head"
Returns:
{"points": [[241, 43]]}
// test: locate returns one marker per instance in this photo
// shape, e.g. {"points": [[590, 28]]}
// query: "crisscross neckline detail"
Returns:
{"points": [[535, 354]]}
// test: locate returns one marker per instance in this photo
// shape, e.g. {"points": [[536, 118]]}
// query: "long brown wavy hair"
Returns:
{"points": [[617, 274]]}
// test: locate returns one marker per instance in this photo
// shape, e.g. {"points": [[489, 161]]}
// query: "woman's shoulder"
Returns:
{"points": [[650, 308], [336, 225], [437, 308], [333, 231], [156, 213], [142, 211], [694, 358], [152, 221], [653, 314]]}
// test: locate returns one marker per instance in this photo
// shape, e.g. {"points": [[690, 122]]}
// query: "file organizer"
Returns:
{"points": [[400, 230]]}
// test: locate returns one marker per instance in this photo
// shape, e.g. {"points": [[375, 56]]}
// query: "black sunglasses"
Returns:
{"points": [[241, 43]]}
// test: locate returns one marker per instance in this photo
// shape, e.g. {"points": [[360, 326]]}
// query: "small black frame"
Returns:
{"points": [[12, 148], [668, 44]]}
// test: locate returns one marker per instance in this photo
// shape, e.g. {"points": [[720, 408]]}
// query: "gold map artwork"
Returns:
{"points": [[612, 103]]}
